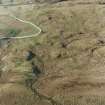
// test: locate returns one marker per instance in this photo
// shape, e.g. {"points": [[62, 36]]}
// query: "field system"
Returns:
{"points": [[64, 65]]}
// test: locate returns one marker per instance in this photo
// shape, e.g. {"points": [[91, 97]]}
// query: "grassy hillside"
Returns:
{"points": [[64, 65]]}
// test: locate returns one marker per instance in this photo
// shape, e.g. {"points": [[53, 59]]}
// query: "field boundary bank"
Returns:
{"points": [[74, 3]]}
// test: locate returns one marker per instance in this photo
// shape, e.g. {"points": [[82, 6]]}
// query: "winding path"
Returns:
{"points": [[27, 22]]}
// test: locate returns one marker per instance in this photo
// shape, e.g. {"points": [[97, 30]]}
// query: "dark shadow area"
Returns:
{"points": [[30, 55]]}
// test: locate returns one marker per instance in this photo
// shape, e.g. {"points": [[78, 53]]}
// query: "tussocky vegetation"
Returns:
{"points": [[64, 65]]}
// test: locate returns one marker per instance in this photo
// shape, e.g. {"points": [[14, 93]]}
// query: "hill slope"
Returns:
{"points": [[62, 66]]}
